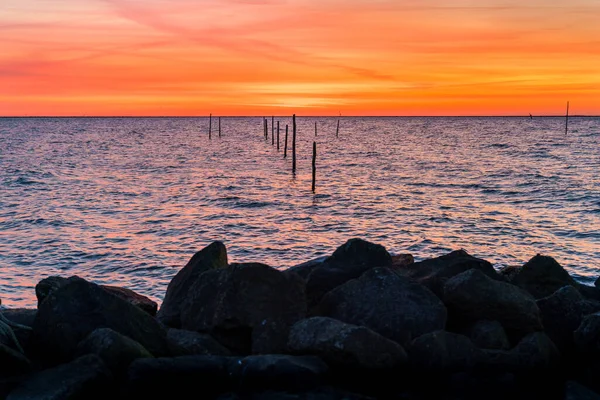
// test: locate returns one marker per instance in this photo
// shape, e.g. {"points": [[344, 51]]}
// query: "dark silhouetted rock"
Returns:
{"points": [[212, 375], [434, 272], [12, 362], [281, 372], [345, 345], [51, 284], [442, 350], [134, 298], [541, 276], [472, 296], [387, 303], [69, 314], [85, 378], [188, 343], [306, 268], [535, 351], [248, 304], [117, 351], [214, 256], [562, 313], [349, 261], [22, 316], [587, 335], [487, 334], [576, 391], [402, 260]]}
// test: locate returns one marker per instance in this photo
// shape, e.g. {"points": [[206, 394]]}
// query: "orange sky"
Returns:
{"points": [[311, 57]]}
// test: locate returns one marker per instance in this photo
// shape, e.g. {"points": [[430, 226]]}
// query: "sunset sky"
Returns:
{"points": [[311, 57]]}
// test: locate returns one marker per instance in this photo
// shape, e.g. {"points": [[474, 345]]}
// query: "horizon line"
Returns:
{"points": [[304, 116]]}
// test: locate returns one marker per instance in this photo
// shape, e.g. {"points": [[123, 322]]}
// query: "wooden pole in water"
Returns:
{"points": [[337, 131], [219, 126], [266, 134], [567, 119], [277, 135], [314, 165], [285, 145], [209, 126], [315, 128], [272, 130], [294, 143]]}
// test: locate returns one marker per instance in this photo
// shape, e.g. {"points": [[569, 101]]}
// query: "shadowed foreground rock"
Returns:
{"points": [[381, 327]]}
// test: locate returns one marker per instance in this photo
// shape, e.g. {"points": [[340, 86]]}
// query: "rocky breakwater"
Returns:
{"points": [[358, 324]]}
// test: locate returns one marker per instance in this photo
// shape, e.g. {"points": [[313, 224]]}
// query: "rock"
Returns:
{"points": [[85, 378], [576, 391], [348, 261], [75, 310], [541, 276], [443, 351], [22, 316], [562, 313], [472, 295], [534, 351], [344, 345], [281, 372], [487, 334], [51, 284], [213, 256], [402, 260], [387, 303], [306, 268], [587, 335], [433, 273], [12, 363], [319, 393], [246, 305], [134, 298], [117, 351], [188, 343], [207, 376]]}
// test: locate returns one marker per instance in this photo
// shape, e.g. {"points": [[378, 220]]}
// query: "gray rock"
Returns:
{"points": [[281, 372], [117, 351], [433, 273], [188, 343], [69, 314], [443, 351], [576, 391], [214, 256], [47, 286], [562, 313], [386, 303], [472, 296], [541, 276], [12, 363], [587, 335], [349, 261], [85, 378], [345, 345], [487, 334], [247, 307]]}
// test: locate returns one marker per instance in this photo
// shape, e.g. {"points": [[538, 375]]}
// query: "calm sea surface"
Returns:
{"points": [[127, 201]]}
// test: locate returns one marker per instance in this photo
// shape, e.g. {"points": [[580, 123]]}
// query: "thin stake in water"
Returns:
{"points": [[314, 166], [277, 135], [272, 130], [266, 132], [285, 145], [209, 126], [219, 126], [337, 131], [567, 119], [294, 143]]}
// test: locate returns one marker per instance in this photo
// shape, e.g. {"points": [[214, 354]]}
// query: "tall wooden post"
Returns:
{"points": [[314, 165], [272, 130], [337, 131], [285, 145], [219, 126], [266, 134], [277, 135], [294, 143], [567, 119], [209, 126]]}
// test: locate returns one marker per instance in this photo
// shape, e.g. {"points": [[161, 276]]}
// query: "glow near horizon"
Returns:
{"points": [[263, 57]]}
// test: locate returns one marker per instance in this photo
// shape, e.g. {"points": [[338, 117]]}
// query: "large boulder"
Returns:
{"points": [[307, 267], [117, 351], [348, 261], [535, 351], [248, 307], [345, 345], [576, 391], [12, 363], [213, 256], [434, 272], [275, 371], [85, 378], [487, 334], [51, 284], [189, 343], [386, 303], [587, 335], [69, 314], [443, 351], [562, 313], [541, 276], [472, 295]]}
